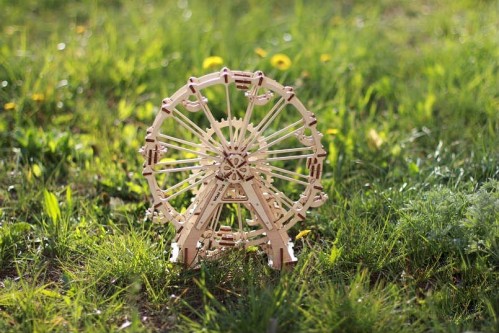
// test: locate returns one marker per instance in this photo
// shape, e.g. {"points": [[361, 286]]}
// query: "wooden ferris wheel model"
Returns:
{"points": [[245, 181]]}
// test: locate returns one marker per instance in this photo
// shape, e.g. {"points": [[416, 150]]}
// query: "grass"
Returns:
{"points": [[405, 94]]}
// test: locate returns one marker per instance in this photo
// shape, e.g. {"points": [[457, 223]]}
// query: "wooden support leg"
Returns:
{"points": [[281, 247]]}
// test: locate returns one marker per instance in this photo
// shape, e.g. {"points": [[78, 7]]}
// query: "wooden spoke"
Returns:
{"points": [[285, 136], [265, 122], [189, 168], [229, 115], [193, 128], [293, 180], [212, 120], [169, 145], [190, 179], [186, 161], [286, 158], [285, 199], [247, 115], [185, 142], [292, 173], [290, 150], [278, 195], [284, 130], [185, 189]]}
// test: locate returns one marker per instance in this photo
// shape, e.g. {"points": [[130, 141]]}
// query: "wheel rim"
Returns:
{"points": [[262, 161]]}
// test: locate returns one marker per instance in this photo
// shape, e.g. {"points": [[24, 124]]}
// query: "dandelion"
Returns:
{"points": [[261, 52], [80, 29], [37, 171], [325, 57], [9, 106], [302, 234], [38, 97], [305, 74], [332, 131], [212, 62], [280, 61]]}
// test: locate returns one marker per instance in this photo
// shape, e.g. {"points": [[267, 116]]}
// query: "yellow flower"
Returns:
{"points": [[332, 131], [325, 57], [9, 106], [261, 52], [302, 234], [38, 97], [213, 61], [280, 61], [80, 29], [305, 74], [374, 140]]}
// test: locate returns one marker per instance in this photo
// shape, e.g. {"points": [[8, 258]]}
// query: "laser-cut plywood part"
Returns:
{"points": [[233, 159]]}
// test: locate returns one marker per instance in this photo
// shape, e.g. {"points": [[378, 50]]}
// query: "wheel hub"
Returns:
{"points": [[234, 167]]}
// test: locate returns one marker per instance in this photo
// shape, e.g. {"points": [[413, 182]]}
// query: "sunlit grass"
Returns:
{"points": [[405, 94]]}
